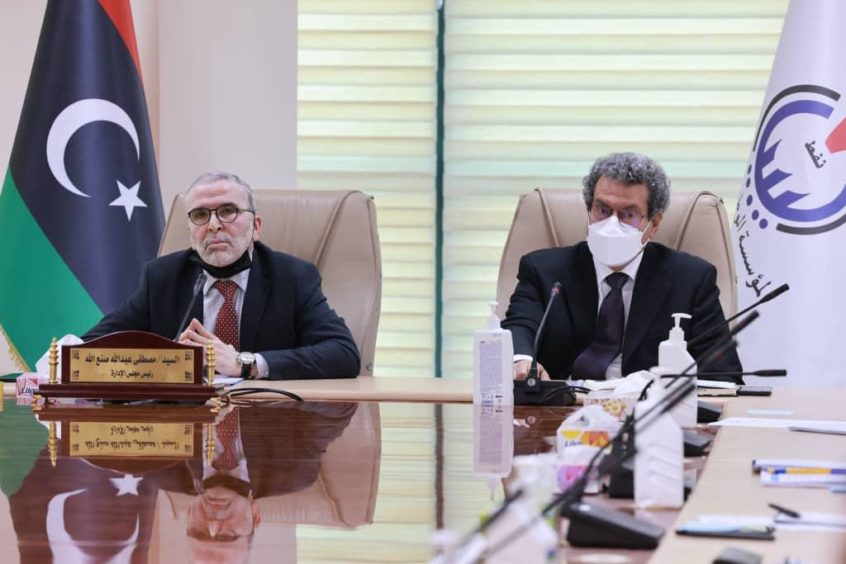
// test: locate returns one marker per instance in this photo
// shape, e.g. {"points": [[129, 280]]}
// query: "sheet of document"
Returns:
{"points": [[227, 380], [774, 423]]}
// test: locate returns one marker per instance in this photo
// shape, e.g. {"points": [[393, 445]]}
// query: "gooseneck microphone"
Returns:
{"points": [[710, 356], [533, 370], [717, 326], [629, 532], [198, 287], [770, 373], [616, 526]]}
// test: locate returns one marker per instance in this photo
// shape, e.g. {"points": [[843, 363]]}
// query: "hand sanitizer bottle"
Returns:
{"points": [[673, 358], [659, 458], [493, 444], [493, 357]]}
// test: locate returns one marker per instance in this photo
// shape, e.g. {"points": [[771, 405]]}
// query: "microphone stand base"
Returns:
{"points": [[708, 412], [597, 526]]}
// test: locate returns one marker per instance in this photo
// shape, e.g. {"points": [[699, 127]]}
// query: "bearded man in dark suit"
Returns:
{"points": [[264, 311]]}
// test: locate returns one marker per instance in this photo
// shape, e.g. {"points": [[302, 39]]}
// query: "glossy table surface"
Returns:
{"points": [[314, 482], [339, 481]]}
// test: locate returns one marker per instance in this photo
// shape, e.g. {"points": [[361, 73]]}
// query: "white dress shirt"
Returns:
{"points": [[615, 369]]}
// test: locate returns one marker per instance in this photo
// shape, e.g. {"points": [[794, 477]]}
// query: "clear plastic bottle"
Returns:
{"points": [[659, 458], [493, 358]]}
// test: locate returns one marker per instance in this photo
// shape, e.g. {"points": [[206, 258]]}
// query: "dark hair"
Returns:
{"points": [[630, 169]]}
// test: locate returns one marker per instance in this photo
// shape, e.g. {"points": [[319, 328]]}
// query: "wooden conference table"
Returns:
{"points": [[342, 481]]}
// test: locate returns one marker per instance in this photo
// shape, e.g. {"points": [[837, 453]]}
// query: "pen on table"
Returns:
{"points": [[786, 511], [803, 470]]}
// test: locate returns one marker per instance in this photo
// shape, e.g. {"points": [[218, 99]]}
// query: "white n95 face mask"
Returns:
{"points": [[613, 243]]}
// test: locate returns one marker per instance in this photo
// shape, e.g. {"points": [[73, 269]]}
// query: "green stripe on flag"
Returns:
{"points": [[40, 297], [23, 439]]}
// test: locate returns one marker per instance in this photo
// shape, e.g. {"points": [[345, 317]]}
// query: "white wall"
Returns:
{"points": [[228, 96], [221, 85]]}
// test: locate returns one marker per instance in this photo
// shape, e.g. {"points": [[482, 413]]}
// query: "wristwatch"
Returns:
{"points": [[246, 360]]}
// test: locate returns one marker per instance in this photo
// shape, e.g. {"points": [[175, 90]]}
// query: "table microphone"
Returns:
{"points": [[533, 369], [710, 355], [532, 391], [717, 326], [592, 525], [198, 287], [769, 373]]}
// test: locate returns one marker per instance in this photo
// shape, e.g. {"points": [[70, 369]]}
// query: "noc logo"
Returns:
{"points": [[796, 178]]}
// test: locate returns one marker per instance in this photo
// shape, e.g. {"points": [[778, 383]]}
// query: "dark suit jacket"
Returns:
{"points": [[283, 446], [285, 316], [667, 282]]}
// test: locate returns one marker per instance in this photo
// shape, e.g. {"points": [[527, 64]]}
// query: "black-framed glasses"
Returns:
{"points": [[227, 213], [629, 216]]}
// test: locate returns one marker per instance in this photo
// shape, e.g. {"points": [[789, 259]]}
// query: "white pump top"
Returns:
{"points": [[493, 320], [677, 333]]}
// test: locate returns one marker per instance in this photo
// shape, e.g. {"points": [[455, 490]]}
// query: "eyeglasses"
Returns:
{"points": [[600, 212], [227, 213]]}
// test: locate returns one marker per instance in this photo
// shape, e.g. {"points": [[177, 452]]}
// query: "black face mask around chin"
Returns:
{"points": [[228, 271]]}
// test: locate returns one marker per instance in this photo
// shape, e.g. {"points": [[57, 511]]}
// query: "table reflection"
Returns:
{"points": [[302, 488], [286, 464]]}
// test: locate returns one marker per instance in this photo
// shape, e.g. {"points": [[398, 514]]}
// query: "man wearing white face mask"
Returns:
{"points": [[618, 289]]}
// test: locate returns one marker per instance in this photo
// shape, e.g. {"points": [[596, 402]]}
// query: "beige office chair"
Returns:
{"points": [[335, 230], [695, 222]]}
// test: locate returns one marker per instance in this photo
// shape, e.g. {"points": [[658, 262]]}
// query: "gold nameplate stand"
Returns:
{"points": [[130, 365]]}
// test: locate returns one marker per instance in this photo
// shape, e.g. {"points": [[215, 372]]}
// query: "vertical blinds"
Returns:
{"points": [[366, 90], [536, 90]]}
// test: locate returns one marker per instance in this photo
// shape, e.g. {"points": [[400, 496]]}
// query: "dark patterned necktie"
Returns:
{"points": [[227, 433], [608, 335], [226, 325]]}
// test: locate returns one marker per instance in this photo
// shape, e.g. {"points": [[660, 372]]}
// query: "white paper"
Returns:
{"points": [[809, 519], [227, 380], [772, 423], [716, 384]]}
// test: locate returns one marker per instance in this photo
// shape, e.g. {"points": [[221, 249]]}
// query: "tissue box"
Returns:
{"points": [[589, 437], [27, 384], [572, 463], [618, 406], [589, 426]]}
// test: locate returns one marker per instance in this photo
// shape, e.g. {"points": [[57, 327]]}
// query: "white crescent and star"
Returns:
{"points": [[128, 484], [68, 122], [65, 547]]}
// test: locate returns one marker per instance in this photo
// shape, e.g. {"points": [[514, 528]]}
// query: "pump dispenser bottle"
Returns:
{"points": [[672, 353], [493, 359], [673, 358]]}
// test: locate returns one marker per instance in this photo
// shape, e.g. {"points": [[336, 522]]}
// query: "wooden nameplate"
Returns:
{"points": [[131, 365], [127, 438]]}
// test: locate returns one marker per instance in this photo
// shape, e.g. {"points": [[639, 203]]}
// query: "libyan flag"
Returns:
{"points": [[80, 207]]}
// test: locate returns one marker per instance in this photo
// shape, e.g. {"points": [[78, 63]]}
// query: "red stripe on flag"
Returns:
{"points": [[837, 139], [120, 13]]}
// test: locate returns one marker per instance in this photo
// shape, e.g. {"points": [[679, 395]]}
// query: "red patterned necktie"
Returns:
{"points": [[227, 433], [226, 325]]}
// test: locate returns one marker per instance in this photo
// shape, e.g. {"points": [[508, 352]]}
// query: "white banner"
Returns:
{"points": [[790, 225]]}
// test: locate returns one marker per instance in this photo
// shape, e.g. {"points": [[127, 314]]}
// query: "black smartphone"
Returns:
{"points": [[754, 391]]}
